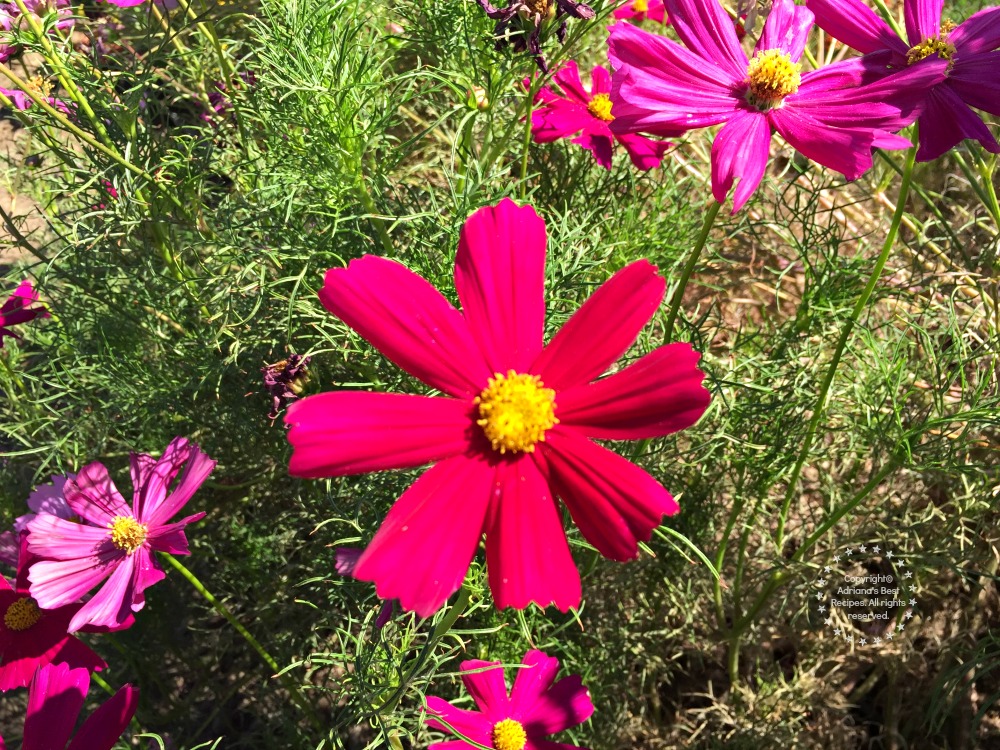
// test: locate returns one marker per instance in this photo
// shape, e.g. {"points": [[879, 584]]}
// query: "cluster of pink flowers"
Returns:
{"points": [[835, 115], [79, 533]]}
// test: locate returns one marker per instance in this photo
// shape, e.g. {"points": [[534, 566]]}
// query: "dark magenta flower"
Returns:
{"points": [[19, 308], [284, 381], [115, 540], [55, 698], [588, 113], [520, 22], [536, 707], [971, 81], [834, 116]]}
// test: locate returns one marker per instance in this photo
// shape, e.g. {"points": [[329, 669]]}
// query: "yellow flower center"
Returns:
{"points": [[127, 534], [600, 107], [22, 614], [509, 735], [640, 6], [516, 411], [935, 45], [40, 86], [771, 76]]}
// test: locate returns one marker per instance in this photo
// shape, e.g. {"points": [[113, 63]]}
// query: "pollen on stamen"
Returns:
{"points": [[516, 411], [640, 6], [935, 45], [600, 107], [22, 614], [509, 734], [771, 76], [127, 534]]}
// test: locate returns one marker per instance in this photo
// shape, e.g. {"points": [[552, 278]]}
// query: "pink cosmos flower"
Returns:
{"points": [[31, 637], [8, 548], [514, 428], [47, 498], [834, 116], [18, 309], [640, 10], [968, 50], [22, 101], [115, 540], [535, 708], [577, 109], [56, 695]]}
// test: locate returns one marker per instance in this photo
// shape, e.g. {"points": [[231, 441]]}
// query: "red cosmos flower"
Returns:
{"points": [[535, 709], [514, 429], [56, 695], [31, 637], [640, 10], [18, 309], [563, 116]]}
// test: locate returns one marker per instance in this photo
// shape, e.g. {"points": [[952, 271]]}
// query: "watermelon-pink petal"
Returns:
{"points": [[93, 496], [195, 471], [614, 502], [500, 280], [352, 432], [422, 550], [527, 555], [564, 705], [111, 603], [740, 151], [658, 395], [603, 329], [976, 82], [408, 321]]}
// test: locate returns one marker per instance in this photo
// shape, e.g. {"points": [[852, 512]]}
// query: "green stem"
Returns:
{"points": [[889, 18], [526, 145], [207, 28], [223, 610], [824, 392], [692, 261]]}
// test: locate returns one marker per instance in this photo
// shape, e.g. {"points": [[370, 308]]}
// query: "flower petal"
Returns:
{"points": [[408, 321], [786, 28], [558, 119], [856, 25], [946, 122], [422, 551], [599, 144], [500, 279], [102, 728], [707, 29], [980, 32], [568, 79], [93, 496], [923, 19], [112, 602], [603, 329], [614, 502], [661, 88], [600, 81], [527, 555], [55, 698], [485, 683], [471, 724], [196, 470], [645, 153], [656, 396], [975, 81], [566, 704], [740, 150], [353, 432]]}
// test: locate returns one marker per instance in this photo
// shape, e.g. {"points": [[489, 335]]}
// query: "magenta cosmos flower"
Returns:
{"points": [[115, 540], [31, 637], [640, 10], [589, 113], [834, 116], [972, 64], [56, 695], [19, 309], [535, 708], [513, 429]]}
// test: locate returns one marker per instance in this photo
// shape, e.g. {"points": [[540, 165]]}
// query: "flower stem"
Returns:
{"points": [[526, 145], [223, 610], [845, 335], [692, 261]]}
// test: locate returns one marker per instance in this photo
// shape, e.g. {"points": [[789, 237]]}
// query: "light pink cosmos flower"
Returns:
{"points": [[968, 48], [55, 698], [18, 309], [535, 708], [834, 116], [515, 427], [115, 540], [47, 498], [640, 10], [589, 113]]}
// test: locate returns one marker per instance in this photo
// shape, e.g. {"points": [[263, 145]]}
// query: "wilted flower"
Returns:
{"points": [[19, 309], [537, 706], [520, 23], [115, 540], [516, 425], [285, 380], [56, 695]]}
